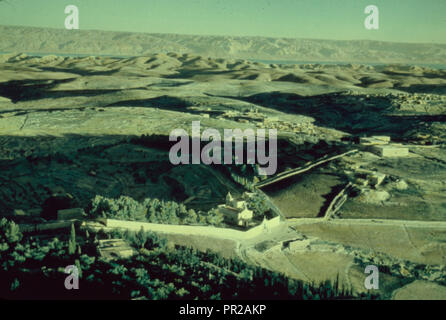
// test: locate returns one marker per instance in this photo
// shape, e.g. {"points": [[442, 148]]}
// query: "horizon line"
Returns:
{"points": [[222, 35]]}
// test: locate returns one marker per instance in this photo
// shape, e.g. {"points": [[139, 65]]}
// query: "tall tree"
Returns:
{"points": [[72, 241]]}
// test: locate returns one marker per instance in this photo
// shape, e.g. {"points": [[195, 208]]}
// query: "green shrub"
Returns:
{"points": [[9, 234], [149, 210]]}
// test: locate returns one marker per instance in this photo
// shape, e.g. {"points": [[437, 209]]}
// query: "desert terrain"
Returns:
{"points": [[99, 125], [96, 42]]}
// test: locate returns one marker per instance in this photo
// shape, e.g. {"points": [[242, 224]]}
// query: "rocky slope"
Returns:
{"points": [[44, 40]]}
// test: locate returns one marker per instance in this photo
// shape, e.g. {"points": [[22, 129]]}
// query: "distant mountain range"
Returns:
{"points": [[93, 42]]}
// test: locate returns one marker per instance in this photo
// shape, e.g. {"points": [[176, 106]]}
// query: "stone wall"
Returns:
{"points": [[207, 231]]}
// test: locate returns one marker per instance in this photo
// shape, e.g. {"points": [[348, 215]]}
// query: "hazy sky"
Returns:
{"points": [[400, 20]]}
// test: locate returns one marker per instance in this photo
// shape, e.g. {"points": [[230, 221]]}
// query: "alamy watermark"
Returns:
{"points": [[371, 281], [220, 150], [72, 20], [372, 20], [72, 281]]}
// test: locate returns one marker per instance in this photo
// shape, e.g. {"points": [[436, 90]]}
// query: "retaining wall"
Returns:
{"points": [[207, 231]]}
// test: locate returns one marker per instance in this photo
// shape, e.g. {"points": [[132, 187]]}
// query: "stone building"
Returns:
{"points": [[235, 212]]}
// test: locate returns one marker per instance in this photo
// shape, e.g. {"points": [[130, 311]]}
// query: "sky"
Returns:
{"points": [[399, 20]]}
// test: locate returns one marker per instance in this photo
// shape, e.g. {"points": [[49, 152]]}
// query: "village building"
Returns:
{"points": [[235, 212]]}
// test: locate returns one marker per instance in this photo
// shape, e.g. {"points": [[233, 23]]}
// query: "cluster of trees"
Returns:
{"points": [[27, 263], [151, 210], [167, 212], [34, 266], [9, 234], [259, 205], [246, 175]]}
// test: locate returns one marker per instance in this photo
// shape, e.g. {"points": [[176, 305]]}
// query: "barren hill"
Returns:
{"points": [[60, 41]]}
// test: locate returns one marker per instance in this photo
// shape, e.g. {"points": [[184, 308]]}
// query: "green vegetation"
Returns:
{"points": [[151, 210], [246, 175], [9, 234], [72, 241], [34, 267], [258, 203]]}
